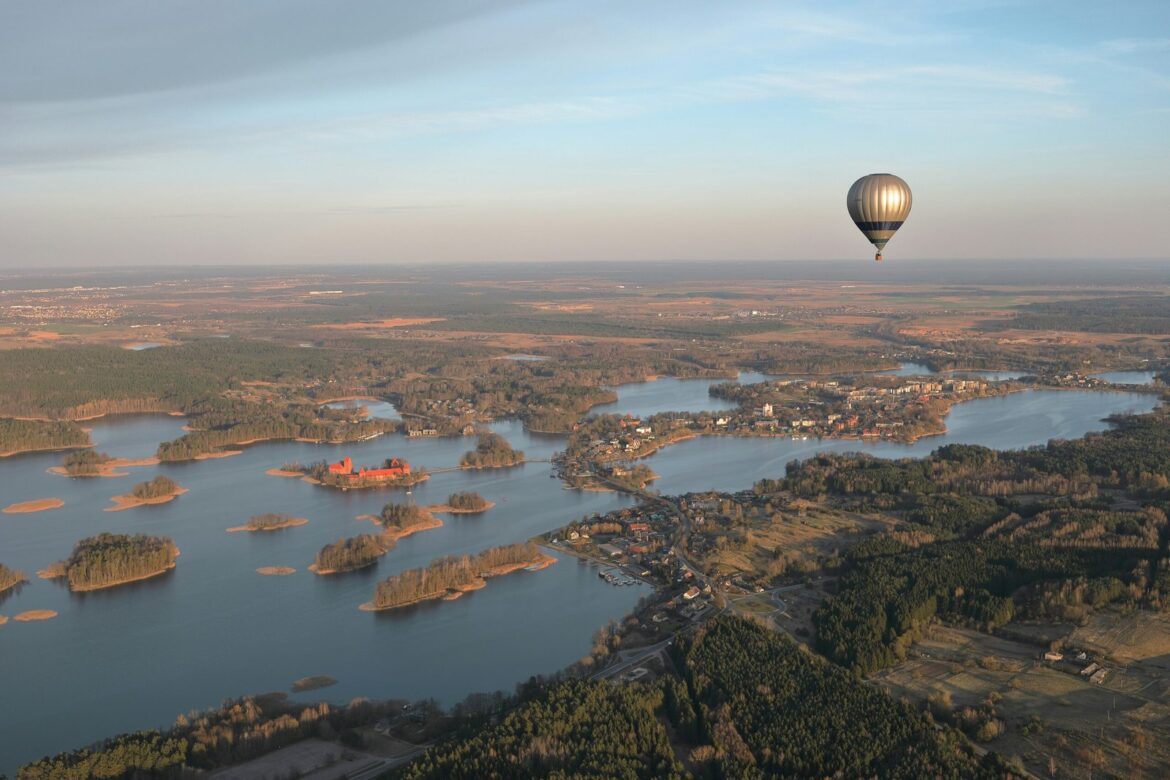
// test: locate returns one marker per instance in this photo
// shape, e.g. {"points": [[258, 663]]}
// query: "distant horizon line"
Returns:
{"points": [[889, 262]]}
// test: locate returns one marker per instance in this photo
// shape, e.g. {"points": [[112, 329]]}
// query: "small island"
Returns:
{"points": [[351, 554], [107, 560], [89, 463], [313, 683], [401, 520], [463, 503], [269, 521], [449, 578], [276, 571], [34, 615], [39, 505], [491, 452], [10, 581], [159, 490], [392, 473]]}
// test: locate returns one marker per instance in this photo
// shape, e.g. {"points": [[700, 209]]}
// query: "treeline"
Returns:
{"points": [[158, 487], [492, 451], [749, 705], [269, 521], [10, 579], [76, 382], [573, 729], [233, 733], [220, 423], [27, 435], [467, 501], [111, 559], [1148, 314], [85, 463], [968, 552], [450, 574], [351, 554]]}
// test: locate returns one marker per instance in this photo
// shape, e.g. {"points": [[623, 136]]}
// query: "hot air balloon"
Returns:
{"points": [[878, 203]]}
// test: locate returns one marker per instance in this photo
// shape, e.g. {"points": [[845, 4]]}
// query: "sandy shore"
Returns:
{"points": [[110, 468], [218, 454], [312, 683], [35, 614], [39, 505], [283, 473], [3, 619], [129, 502], [450, 510], [394, 534], [292, 522], [276, 571]]}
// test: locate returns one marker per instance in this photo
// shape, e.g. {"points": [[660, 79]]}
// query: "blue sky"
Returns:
{"points": [[266, 131]]}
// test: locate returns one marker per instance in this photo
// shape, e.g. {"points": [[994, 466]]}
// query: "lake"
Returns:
{"points": [[1128, 377], [136, 656]]}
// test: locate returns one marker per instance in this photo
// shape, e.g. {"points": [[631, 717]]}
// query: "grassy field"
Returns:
{"points": [[1055, 718]]}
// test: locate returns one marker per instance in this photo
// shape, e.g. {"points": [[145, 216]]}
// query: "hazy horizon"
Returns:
{"points": [[504, 131]]}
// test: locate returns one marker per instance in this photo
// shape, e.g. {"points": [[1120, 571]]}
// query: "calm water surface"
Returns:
{"points": [[1128, 377], [136, 656]]}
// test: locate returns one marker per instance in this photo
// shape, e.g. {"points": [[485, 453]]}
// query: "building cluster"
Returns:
{"points": [[393, 469], [1078, 663]]}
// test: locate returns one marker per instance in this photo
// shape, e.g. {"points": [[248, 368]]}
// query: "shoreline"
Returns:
{"points": [[124, 581], [130, 502], [292, 522], [34, 615], [391, 485], [450, 594], [33, 450], [109, 468], [37, 505], [447, 509], [276, 571]]}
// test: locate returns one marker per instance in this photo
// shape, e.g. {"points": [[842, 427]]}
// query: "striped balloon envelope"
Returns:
{"points": [[878, 204]]}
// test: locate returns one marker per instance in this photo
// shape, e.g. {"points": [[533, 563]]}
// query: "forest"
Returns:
{"points": [[403, 517], [158, 487], [269, 521], [10, 580], [990, 536], [351, 554], [572, 729], [28, 435], [748, 704], [771, 709], [492, 451], [112, 559], [219, 423], [449, 574]]}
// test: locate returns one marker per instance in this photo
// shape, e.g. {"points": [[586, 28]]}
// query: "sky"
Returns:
{"points": [[140, 132]]}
